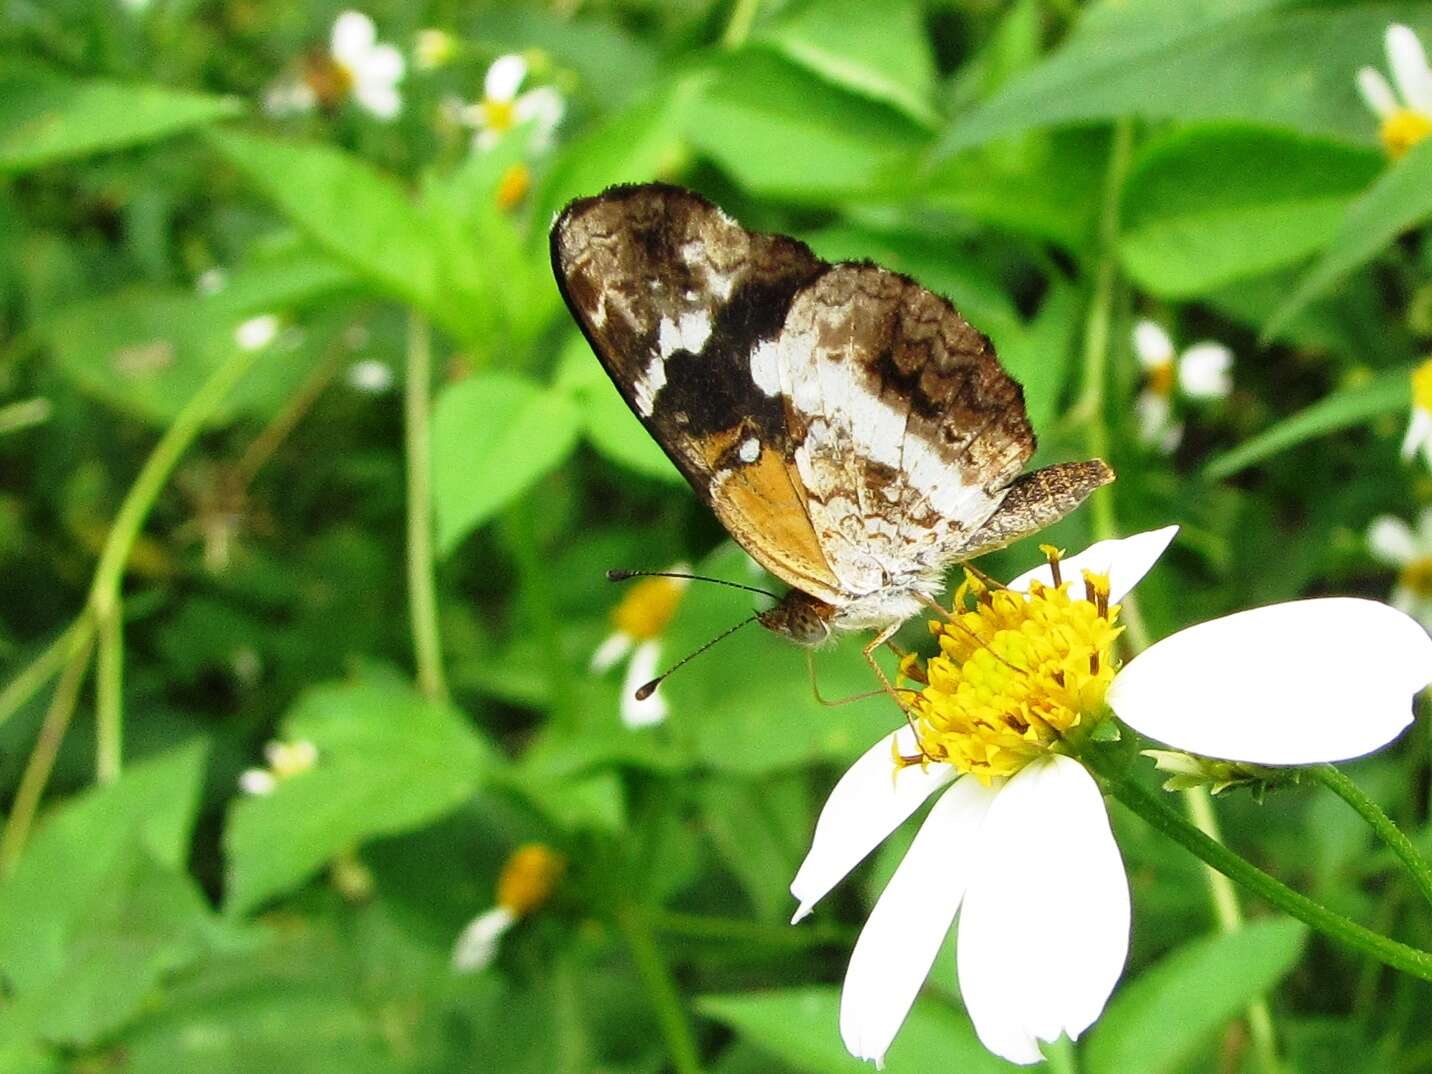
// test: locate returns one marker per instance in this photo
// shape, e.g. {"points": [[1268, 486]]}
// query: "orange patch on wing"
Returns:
{"points": [[763, 506]]}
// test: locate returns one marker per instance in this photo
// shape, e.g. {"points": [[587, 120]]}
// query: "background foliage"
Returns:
{"points": [[1058, 170]]}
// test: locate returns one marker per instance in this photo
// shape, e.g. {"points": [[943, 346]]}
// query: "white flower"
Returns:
{"points": [[1397, 544], [1202, 372], [285, 760], [1407, 121], [257, 332], [372, 70], [211, 281], [370, 375], [289, 97], [526, 882], [502, 108], [1418, 439], [638, 622], [1021, 848]]}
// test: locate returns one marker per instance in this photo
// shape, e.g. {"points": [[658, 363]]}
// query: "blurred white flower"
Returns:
{"points": [[372, 70], [257, 332], [1406, 121], [285, 760], [433, 49], [1418, 439], [289, 96], [502, 108], [211, 281], [1202, 372], [1395, 543], [638, 622], [370, 375], [1019, 845], [526, 882]]}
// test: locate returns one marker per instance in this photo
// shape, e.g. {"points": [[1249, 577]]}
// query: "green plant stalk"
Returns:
{"points": [[42, 757], [109, 710], [728, 930], [743, 14], [1335, 926], [44, 667], [661, 990], [1061, 1057], [422, 588], [1393, 836]]}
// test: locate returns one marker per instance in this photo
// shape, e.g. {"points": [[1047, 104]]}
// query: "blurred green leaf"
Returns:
{"points": [[1187, 229], [761, 830], [783, 133], [1156, 1023], [881, 52], [388, 761], [494, 435], [1291, 68], [1400, 200], [47, 117], [801, 1026], [1351, 406]]}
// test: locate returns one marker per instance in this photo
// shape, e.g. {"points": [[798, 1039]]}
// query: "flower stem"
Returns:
{"points": [[43, 668], [1334, 780], [422, 590], [728, 930], [661, 990], [1335, 926], [42, 757], [739, 28], [109, 683], [1061, 1057]]}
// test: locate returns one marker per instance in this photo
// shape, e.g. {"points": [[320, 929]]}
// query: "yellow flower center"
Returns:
{"points": [[1422, 386], [1416, 576], [498, 116], [1161, 379], [330, 80], [528, 877], [513, 186], [1403, 129], [647, 608], [1017, 674], [289, 759]]}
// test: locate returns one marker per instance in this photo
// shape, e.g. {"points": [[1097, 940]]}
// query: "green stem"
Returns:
{"points": [[729, 930], [661, 991], [109, 710], [422, 589], [43, 668], [1061, 1056], [743, 15], [1334, 780], [1335, 926], [42, 757]]}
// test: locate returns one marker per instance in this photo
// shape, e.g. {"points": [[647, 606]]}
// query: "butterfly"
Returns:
{"points": [[852, 432]]}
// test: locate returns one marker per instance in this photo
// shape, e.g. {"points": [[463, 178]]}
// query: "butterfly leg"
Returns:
{"points": [[836, 703], [869, 653]]}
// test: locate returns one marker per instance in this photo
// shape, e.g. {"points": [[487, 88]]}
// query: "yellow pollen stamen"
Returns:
{"points": [[498, 116], [528, 877], [1017, 674], [1416, 576], [330, 80], [513, 186], [1054, 555], [1422, 387], [1161, 379], [647, 608], [1403, 129]]}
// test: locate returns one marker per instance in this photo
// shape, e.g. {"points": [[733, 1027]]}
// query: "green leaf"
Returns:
{"points": [[355, 212], [494, 435], [47, 117], [783, 133], [1158, 1022], [801, 1026], [388, 761], [878, 51], [1188, 230], [1351, 406], [1290, 68], [1400, 200]]}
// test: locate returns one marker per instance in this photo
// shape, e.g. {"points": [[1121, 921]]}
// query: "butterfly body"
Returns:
{"points": [[848, 427]]}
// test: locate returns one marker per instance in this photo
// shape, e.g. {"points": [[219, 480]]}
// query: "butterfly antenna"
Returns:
{"points": [[650, 688], [623, 575]]}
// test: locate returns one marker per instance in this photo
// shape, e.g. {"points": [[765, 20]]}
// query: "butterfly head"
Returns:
{"points": [[805, 619]]}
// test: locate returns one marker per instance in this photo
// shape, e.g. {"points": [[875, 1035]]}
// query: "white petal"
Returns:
{"points": [[380, 99], [613, 647], [1204, 371], [504, 76], [1152, 346], [476, 945], [1124, 560], [1376, 92], [1419, 433], [353, 35], [257, 781], [1045, 926], [1409, 68], [1295, 683], [1154, 413], [903, 935], [869, 802], [380, 66], [544, 104], [1390, 540], [257, 332], [644, 666]]}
